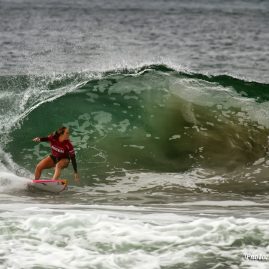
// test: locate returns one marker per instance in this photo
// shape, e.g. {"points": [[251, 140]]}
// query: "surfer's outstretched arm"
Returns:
{"points": [[41, 139]]}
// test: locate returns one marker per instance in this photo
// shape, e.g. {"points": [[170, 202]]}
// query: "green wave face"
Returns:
{"points": [[154, 118]]}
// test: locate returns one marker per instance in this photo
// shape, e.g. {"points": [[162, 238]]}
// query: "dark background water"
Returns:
{"points": [[206, 36]]}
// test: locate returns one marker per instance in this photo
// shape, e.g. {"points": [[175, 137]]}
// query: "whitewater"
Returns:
{"points": [[167, 105]]}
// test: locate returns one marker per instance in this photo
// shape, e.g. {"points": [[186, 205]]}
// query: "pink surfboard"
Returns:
{"points": [[48, 185]]}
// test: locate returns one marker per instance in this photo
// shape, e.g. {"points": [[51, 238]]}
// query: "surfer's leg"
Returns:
{"points": [[43, 164], [63, 163]]}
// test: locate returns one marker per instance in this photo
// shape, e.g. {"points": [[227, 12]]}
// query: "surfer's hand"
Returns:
{"points": [[36, 139], [76, 177]]}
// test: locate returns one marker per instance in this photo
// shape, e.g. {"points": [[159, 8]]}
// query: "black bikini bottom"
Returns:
{"points": [[56, 160]]}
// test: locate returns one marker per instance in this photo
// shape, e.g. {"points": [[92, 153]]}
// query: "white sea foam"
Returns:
{"points": [[9, 181], [97, 238], [146, 180]]}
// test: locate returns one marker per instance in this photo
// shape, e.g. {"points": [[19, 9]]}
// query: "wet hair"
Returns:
{"points": [[59, 132]]}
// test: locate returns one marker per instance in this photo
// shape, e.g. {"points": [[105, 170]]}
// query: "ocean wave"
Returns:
{"points": [[152, 118]]}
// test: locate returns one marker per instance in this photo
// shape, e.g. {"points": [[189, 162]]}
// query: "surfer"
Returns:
{"points": [[62, 151]]}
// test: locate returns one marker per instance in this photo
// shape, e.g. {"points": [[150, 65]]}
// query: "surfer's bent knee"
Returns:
{"points": [[63, 163]]}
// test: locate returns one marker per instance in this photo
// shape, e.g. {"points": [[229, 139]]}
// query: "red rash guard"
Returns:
{"points": [[61, 150]]}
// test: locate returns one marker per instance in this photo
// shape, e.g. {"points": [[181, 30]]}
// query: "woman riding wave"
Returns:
{"points": [[62, 151]]}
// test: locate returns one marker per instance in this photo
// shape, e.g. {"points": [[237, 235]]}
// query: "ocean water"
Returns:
{"points": [[168, 105]]}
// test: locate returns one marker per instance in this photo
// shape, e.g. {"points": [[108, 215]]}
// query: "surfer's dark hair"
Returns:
{"points": [[59, 132]]}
